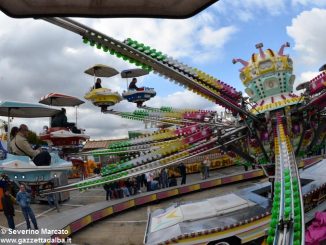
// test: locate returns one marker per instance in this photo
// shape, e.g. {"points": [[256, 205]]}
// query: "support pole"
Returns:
{"points": [[76, 113], [8, 128]]}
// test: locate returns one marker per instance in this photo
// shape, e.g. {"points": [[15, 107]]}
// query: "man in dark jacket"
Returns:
{"points": [[107, 188], [182, 171], [133, 85], [8, 208], [60, 120]]}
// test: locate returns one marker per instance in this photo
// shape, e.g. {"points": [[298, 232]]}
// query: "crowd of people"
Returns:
{"points": [[20, 146], [23, 199], [152, 181]]}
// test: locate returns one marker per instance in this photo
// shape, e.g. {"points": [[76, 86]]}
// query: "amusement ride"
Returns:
{"points": [[22, 168], [102, 97], [274, 129], [136, 95], [63, 137]]}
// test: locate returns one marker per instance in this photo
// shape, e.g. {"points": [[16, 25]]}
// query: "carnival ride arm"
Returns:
{"points": [[287, 223], [195, 80], [145, 164]]}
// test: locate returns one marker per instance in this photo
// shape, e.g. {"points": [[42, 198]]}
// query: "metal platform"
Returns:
{"points": [[247, 223], [75, 219]]}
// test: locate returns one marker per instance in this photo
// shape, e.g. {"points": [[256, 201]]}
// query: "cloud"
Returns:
{"points": [[317, 3], [42, 58], [216, 38], [38, 58], [308, 31], [307, 76], [184, 100], [180, 38]]}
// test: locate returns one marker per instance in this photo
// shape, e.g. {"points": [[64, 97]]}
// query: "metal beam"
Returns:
{"points": [[163, 69]]}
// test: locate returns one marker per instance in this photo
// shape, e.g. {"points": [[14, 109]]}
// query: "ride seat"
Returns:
{"points": [[57, 129], [11, 157]]}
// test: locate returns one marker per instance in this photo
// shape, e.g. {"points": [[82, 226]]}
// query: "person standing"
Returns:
{"points": [[164, 178], [207, 164], [149, 178], [144, 180], [123, 186], [108, 191], [53, 198], [23, 198], [139, 183], [183, 173], [8, 208], [202, 169]]}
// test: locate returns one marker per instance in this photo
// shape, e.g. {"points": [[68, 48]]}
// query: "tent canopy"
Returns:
{"points": [[55, 99], [25, 110], [104, 8], [133, 73], [101, 71]]}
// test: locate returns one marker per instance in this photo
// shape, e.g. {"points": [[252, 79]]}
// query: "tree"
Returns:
{"points": [[33, 139]]}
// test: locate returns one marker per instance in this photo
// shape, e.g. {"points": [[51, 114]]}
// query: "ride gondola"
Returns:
{"points": [[135, 94], [22, 168], [102, 97], [62, 136]]}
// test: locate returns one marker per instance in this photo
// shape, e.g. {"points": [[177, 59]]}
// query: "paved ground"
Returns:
{"points": [[127, 227]]}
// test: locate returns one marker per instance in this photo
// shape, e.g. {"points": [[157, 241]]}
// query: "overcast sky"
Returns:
{"points": [[37, 58]]}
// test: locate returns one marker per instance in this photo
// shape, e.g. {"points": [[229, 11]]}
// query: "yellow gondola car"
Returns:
{"points": [[102, 97]]}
